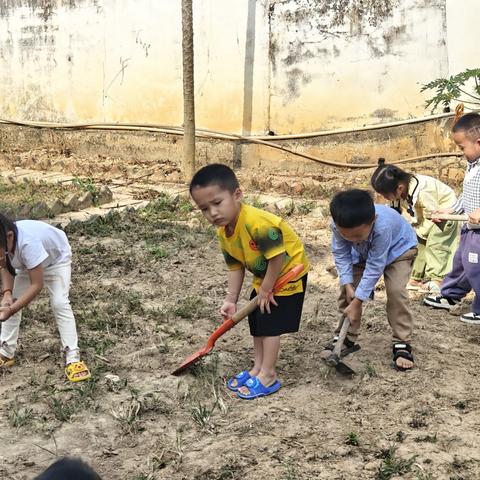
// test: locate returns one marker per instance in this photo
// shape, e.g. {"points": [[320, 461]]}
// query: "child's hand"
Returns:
{"points": [[354, 312], [474, 217], [349, 292], [264, 299], [442, 210], [5, 313], [228, 309]]}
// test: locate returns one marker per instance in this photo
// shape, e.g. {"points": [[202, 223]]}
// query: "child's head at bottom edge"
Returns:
{"points": [[216, 191], [353, 212]]}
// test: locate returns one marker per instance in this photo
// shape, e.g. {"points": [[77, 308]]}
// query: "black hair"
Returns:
{"points": [[387, 178], [215, 174], [470, 124], [7, 225], [352, 208], [71, 468]]}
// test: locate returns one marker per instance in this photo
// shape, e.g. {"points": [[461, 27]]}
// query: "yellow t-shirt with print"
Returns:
{"points": [[258, 237]]}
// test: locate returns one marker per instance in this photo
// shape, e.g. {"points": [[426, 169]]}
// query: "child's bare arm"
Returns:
{"points": [[235, 281], [7, 287], [265, 294], [36, 284]]}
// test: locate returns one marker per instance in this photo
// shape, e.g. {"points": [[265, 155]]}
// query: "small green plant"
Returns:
{"points": [[143, 476], [392, 465], [98, 226], [289, 472], [156, 251], [128, 416], [62, 409], [306, 207], [190, 307], [421, 475], [400, 436], [201, 415], [87, 185], [255, 201], [20, 416], [419, 419], [454, 89], [166, 207], [426, 438], [370, 370], [352, 439]]}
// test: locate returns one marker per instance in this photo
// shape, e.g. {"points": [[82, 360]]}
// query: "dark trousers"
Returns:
{"points": [[465, 274]]}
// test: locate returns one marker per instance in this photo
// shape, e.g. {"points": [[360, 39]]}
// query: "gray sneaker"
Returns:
{"points": [[439, 301], [471, 318]]}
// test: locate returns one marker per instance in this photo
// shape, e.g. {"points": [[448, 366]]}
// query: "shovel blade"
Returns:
{"points": [[195, 357]]}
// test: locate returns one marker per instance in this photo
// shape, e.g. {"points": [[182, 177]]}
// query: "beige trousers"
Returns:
{"points": [[396, 276]]}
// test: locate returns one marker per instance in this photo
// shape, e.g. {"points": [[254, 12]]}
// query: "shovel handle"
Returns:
{"points": [[341, 336], [447, 216], [280, 283]]}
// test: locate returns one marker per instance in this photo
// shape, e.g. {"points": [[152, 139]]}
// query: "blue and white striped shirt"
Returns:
{"points": [[469, 200]]}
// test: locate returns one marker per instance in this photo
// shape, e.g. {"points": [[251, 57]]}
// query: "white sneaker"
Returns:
{"points": [[439, 301], [432, 287], [471, 318]]}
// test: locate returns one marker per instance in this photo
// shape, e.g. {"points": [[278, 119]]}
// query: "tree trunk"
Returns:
{"points": [[188, 92]]}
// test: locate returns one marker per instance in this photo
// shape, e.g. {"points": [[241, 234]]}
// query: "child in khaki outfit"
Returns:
{"points": [[370, 241]]}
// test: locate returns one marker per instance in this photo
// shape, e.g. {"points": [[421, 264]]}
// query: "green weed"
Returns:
{"points": [[87, 185], [157, 251], [370, 370], [289, 470], [352, 439], [20, 416], [392, 465], [190, 307], [201, 415], [62, 409], [255, 201], [426, 438], [306, 207], [419, 419], [421, 475]]}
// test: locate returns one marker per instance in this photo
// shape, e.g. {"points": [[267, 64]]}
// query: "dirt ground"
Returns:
{"points": [[146, 291]]}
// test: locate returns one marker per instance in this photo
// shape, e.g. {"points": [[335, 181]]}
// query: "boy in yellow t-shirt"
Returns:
{"points": [[266, 245]]}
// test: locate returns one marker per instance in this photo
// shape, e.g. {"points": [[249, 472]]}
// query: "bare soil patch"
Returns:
{"points": [[146, 291]]}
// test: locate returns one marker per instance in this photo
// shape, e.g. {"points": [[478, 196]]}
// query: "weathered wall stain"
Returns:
{"points": [[292, 66]]}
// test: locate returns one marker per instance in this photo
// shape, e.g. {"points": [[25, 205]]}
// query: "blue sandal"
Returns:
{"points": [[241, 379], [257, 389]]}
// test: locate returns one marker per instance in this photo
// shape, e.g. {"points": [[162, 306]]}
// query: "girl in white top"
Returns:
{"points": [[34, 254], [416, 195]]}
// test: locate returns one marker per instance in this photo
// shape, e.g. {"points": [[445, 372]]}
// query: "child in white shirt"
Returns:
{"points": [[34, 254]]}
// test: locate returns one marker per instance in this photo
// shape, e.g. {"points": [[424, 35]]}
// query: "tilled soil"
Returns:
{"points": [[146, 291]]}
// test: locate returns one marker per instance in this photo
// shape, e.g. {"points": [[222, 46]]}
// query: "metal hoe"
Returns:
{"points": [[335, 359]]}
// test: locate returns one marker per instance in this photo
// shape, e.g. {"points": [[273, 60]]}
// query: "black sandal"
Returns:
{"points": [[402, 350], [350, 346]]}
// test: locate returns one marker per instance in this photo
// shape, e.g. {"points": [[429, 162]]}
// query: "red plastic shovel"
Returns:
{"points": [[231, 322]]}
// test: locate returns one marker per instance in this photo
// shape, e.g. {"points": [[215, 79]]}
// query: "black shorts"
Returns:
{"points": [[284, 319]]}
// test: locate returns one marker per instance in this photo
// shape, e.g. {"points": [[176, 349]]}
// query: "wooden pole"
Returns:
{"points": [[188, 165]]}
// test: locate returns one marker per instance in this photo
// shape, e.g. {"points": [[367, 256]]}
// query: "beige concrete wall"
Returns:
{"points": [[260, 65]]}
